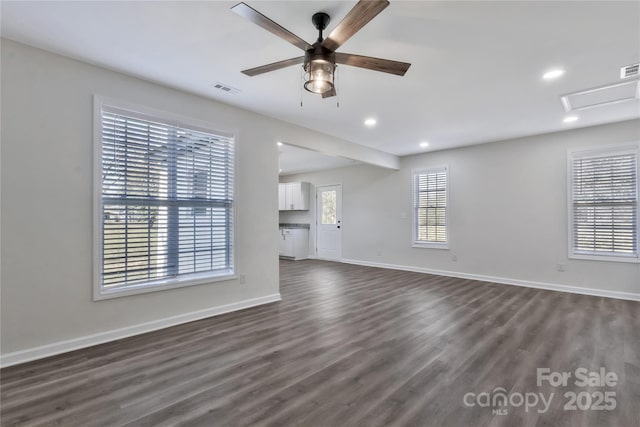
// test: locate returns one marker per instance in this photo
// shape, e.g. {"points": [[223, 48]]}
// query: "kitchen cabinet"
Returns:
{"points": [[293, 196], [294, 243]]}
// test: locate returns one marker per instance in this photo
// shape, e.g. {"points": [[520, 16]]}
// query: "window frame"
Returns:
{"points": [[595, 152], [99, 293], [414, 228]]}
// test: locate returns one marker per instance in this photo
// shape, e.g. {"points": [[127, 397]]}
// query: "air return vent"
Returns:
{"points": [[629, 71], [225, 88], [601, 96]]}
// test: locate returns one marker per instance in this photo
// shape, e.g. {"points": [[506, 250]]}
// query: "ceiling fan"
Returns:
{"points": [[320, 58]]}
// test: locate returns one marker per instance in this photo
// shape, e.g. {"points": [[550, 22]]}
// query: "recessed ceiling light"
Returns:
{"points": [[424, 144], [570, 119], [552, 74], [370, 122], [279, 144]]}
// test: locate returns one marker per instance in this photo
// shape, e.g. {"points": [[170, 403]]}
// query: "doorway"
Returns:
{"points": [[329, 222]]}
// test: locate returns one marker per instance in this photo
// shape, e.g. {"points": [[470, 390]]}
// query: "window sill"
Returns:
{"points": [[161, 285], [430, 245], [608, 258]]}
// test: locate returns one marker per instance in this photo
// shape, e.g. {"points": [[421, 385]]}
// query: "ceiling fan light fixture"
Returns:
{"points": [[319, 74]]}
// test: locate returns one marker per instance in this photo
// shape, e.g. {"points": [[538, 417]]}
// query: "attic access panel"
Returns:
{"points": [[601, 96]]}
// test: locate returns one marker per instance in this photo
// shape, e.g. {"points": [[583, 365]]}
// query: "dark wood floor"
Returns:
{"points": [[347, 346]]}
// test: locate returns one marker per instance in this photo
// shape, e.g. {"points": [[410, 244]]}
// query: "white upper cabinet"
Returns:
{"points": [[282, 198], [293, 196]]}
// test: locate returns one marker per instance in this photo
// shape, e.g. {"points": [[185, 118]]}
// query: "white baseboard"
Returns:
{"points": [[503, 281], [116, 334]]}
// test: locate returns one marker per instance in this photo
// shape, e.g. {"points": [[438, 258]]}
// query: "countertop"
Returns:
{"points": [[284, 225]]}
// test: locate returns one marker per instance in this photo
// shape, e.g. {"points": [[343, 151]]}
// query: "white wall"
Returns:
{"points": [[46, 191], [508, 211], [47, 119]]}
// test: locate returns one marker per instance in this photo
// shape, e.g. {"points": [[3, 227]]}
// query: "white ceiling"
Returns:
{"points": [[297, 160], [475, 75]]}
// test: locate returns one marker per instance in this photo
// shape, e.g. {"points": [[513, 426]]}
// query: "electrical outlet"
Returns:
{"points": [[243, 279], [561, 267], [454, 258]]}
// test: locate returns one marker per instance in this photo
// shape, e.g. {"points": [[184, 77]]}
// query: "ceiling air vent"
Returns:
{"points": [[226, 88], [629, 71], [601, 96]]}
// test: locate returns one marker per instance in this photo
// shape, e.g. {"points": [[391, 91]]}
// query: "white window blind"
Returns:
{"points": [[604, 203], [430, 198], [167, 201]]}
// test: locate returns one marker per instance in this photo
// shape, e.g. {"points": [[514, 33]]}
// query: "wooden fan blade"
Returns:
{"points": [[363, 12], [371, 63], [257, 18], [329, 94], [274, 66]]}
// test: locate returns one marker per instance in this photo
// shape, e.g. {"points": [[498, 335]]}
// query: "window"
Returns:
{"points": [[329, 204], [603, 207], [430, 208], [166, 204]]}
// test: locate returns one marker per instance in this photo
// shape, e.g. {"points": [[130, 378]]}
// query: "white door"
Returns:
{"points": [[329, 222]]}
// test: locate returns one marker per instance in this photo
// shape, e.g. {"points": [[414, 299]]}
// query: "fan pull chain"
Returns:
{"points": [[301, 83], [337, 88]]}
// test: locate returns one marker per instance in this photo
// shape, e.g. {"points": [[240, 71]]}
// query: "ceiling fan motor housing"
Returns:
{"points": [[317, 52]]}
